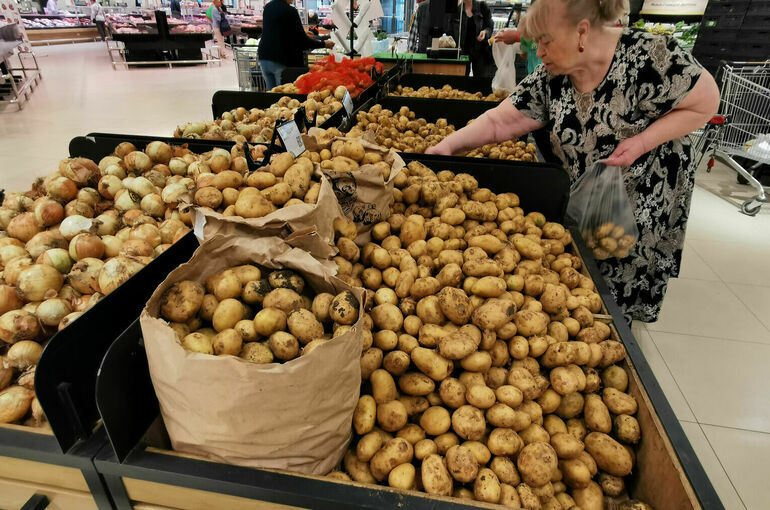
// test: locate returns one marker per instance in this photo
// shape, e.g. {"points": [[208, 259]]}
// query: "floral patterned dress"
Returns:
{"points": [[649, 75]]}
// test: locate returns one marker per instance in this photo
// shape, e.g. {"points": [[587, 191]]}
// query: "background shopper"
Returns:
{"points": [[176, 9], [621, 95], [218, 22], [477, 28], [97, 16]]}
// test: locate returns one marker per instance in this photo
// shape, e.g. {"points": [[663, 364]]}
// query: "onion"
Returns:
{"points": [[10, 252], [37, 411], [45, 241], [74, 225], [38, 281], [186, 217], [124, 149], [153, 205], [6, 215], [136, 248], [57, 258], [85, 302], [112, 246], [204, 180], [107, 223], [9, 299], [198, 167], [23, 227], [189, 158], [109, 185], [172, 193], [27, 378], [159, 152], [117, 170], [52, 311], [89, 196], [142, 186], [49, 212], [161, 248], [15, 402], [126, 200], [69, 319], [149, 233], [85, 274], [169, 230], [107, 161], [31, 307], [116, 271], [158, 175], [179, 235], [127, 181], [23, 354], [18, 325], [62, 189], [10, 241], [68, 293], [86, 245], [130, 218], [81, 171], [6, 374], [17, 201], [78, 208], [123, 234], [14, 268], [219, 160], [178, 166], [137, 162]]}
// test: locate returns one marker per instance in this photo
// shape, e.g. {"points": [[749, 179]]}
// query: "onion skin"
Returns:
{"points": [[51, 311], [153, 205], [37, 412], [14, 268], [23, 227], [49, 212], [18, 325], [112, 245], [89, 196], [10, 241], [68, 293], [85, 302], [86, 246], [116, 271], [84, 276], [126, 200], [142, 186], [57, 258], [23, 354], [136, 248], [137, 162], [160, 152], [15, 403], [69, 319], [178, 166], [149, 233], [44, 241], [62, 189], [123, 149], [37, 281], [169, 229], [81, 171], [6, 374], [107, 161], [9, 299], [78, 208], [10, 252], [74, 225], [16, 201], [6, 215]]}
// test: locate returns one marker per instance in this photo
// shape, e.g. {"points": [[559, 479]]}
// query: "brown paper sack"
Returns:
{"points": [[295, 218], [296, 415]]}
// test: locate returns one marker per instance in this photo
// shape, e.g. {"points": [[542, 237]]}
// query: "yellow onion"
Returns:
{"points": [[136, 248], [78, 208], [142, 186], [27, 378], [123, 234], [107, 223], [17, 201], [158, 175], [116, 271], [178, 166], [9, 299], [106, 161], [18, 325], [219, 160], [6, 374], [127, 181], [189, 158], [126, 200], [169, 230], [85, 302], [45, 241], [84, 275], [89, 196], [38, 281], [10, 252], [179, 235], [68, 293], [49, 212], [10, 241], [62, 189], [137, 162], [161, 248], [123, 149], [149, 233], [52, 311], [86, 246], [81, 171], [23, 227], [37, 411], [112, 246], [109, 185], [136, 217], [14, 268], [6, 215], [74, 225], [173, 192], [15, 402], [23, 354], [153, 205], [57, 258], [198, 167], [160, 152], [31, 307], [69, 320]]}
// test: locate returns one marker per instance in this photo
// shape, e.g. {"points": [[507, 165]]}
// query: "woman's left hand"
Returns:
{"points": [[482, 35], [628, 151]]}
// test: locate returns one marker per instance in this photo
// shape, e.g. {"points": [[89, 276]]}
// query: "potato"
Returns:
{"points": [[632, 504], [423, 448], [391, 416], [575, 473], [255, 291], [627, 429], [304, 326], [182, 301], [571, 405], [527, 497], [344, 308], [395, 452], [537, 462], [283, 299], [485, 267], [509, 497], [590, 497], [612, 352], [368, 446], [529, 323], [412, 433], [461, 463], [549, 401], [612, 486], [415, 383], [365, 415], [284, 345], [615, 377], [397, 362], [509, 395], [493, 314], [269, 320], [227, 314], [252, 204], [383, 386], [489, 286], [227, 341], [208, 196], [504, 441], [610, 456], [522, 379], [358, 470], [618, 402], [452, 392], [487, 486], [468, 422], [402, 477], [454, 304], [528, 248], [480, 396], [435, 476], [371, 360], [563, 381], [566, 445], [256, 352], [197, 342], [432, 364], [387, 317]]}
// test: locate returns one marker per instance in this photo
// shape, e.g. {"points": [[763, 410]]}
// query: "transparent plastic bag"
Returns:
{"points": [[603, 212], [505, 57]]}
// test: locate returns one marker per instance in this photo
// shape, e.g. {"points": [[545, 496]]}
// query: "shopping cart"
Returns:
{"points": [[247, 66], [742, 128]]}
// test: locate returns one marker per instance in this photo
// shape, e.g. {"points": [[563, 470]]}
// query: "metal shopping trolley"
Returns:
{"points": [[249, 71], [742, 128]]}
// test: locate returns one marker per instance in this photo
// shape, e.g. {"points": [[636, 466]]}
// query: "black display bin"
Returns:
{"points": [[467, 83], [137, 460]]}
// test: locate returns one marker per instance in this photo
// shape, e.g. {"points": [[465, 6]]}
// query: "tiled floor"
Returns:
{"points": [[710, 350]]}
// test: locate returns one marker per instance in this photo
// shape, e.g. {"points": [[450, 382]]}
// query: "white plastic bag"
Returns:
{"points": [[604, 214], [504, 55]]}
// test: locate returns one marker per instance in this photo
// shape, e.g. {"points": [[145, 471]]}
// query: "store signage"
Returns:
{"points": [[674, 7], [291, 138], [347, 102]]}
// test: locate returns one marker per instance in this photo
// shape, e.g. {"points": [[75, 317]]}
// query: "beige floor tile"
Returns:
{"points": [[756, 298], [735, 262], [699, 307], [662, 374], [722, 380], [712, 466], [693, 266], [744, 456], [714, 219]]}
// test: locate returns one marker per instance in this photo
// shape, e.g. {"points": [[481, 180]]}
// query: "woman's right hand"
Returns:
{"points": [[440, 150]]}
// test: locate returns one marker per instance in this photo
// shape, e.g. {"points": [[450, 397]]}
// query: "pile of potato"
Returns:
{"points": [[609, 240], [255, 125], [260, 319], [510, 149], [488, 376], [448, 92], [289, 88]]}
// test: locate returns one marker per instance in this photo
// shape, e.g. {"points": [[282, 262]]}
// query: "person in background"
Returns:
{"points": [[625, 97], [176, 9], [283, 41], [97, 16], [419, 30], [477, 28], [528, 47], [216, 26], [51, 7]]}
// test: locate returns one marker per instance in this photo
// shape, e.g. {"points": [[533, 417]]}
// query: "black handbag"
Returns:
{"points": [[224, 26]]}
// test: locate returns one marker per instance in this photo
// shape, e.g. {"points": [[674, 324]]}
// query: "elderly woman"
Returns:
{"points": [[624, 96]]}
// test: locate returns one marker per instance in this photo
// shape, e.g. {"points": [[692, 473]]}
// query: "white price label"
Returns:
{"points": [[291, 138], [347, 102]]}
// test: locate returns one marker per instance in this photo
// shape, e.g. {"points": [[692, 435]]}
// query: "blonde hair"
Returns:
{"points": [[598, 12]]}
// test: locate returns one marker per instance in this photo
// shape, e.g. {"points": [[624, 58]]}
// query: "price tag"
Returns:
{"points": [[347, 102], [291, 138]]}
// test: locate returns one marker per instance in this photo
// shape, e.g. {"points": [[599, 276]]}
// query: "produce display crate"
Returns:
{"points": [[467, 83], [142, 471]]}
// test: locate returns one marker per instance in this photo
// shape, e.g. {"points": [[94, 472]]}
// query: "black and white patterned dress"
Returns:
{"points": [[649, 75]]}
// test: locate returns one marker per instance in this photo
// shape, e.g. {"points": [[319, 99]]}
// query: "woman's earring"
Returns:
{"points": [[581, 49]]}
